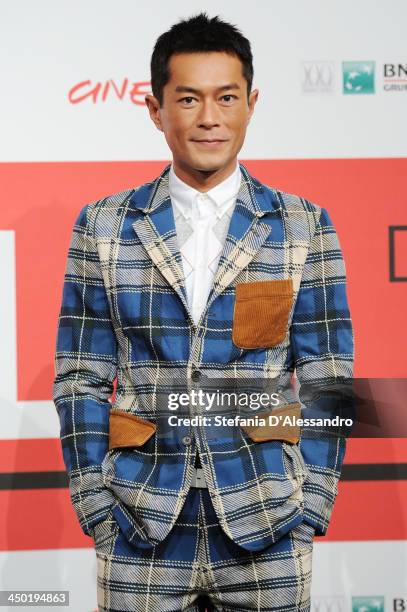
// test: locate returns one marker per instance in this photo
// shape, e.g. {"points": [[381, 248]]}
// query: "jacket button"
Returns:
{"points": [[196, 375], [187, 440]]}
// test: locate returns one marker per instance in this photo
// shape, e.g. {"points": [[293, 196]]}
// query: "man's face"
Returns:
{"points": [[205, 111]]}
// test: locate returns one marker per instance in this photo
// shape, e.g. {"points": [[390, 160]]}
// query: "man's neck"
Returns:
{"points": [[201, 180]]}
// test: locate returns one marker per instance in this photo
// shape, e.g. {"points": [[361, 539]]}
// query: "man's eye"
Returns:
{"points": [[228, 97], [187, 99]]}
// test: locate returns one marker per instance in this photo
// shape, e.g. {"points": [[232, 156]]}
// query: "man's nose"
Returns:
{"points": [[209, 114]]}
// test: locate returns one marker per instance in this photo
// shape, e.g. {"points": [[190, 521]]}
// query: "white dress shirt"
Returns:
{"points": [[202, 222]]}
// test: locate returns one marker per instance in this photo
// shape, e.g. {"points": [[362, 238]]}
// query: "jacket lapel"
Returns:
{"points": [[156, 230]]}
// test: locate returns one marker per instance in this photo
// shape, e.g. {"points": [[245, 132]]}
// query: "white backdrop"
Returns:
{"points": [[52, 46]]}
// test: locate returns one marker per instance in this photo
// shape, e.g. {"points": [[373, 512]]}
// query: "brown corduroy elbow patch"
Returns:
{"points": [[126, 429], [261, 312], [285, 433]]}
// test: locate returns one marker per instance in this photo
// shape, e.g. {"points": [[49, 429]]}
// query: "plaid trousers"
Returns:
{"points": [[197, 557]]}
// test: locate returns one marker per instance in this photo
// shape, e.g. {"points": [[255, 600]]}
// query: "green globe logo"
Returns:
{"points": [[368, 604], [358, 77]]}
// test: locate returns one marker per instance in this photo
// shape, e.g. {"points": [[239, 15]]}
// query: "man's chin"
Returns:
{"points": [[209, 166], [208, 170]]}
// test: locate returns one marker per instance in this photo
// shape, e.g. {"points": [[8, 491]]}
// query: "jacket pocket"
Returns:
{"points": [[126, 429], [261, 312], [271, 425]]}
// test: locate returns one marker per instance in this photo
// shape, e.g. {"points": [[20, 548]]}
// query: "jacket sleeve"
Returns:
{"points": [[322, 344], [85, 368]]}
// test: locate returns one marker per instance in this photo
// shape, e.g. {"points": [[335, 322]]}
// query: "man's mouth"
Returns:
{"points": [[209, 142]]}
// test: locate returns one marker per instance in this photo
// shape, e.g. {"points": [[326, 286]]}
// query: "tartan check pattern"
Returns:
{"points": [[197, 557], [125, 314]]}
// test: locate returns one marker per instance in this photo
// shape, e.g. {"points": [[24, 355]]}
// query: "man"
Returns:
{"points": [[203, 273]]}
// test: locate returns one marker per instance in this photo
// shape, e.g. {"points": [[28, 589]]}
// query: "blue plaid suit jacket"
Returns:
{"points": [[125, 314]]}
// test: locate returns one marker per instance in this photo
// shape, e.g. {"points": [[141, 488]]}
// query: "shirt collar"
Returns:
{"points": [[222, 195]]}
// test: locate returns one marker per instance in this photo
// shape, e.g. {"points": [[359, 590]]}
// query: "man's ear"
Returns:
{"points": [[252, 101], [153, 106]]}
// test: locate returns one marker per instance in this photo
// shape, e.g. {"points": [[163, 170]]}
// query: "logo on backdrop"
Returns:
{"points": [[395, 77], [358, 77], [334, 603], [318, 77], [398, 253], [368, 604], [110, 90], [399, 604]]}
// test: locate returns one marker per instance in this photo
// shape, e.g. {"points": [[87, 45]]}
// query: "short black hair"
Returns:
{"points": [[199, 34]]}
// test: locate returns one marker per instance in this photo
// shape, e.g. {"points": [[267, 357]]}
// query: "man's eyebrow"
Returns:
{"points": [[186, 89]]}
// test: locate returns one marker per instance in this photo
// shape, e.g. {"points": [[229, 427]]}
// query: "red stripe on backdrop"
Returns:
{"points": [[369, 511], [363, 197], [31, 455], [44, 519], [375, 450], [39, 519], [45, 454]]}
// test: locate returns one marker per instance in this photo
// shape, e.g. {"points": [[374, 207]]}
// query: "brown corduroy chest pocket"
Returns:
{"points": [[261, 312]]}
